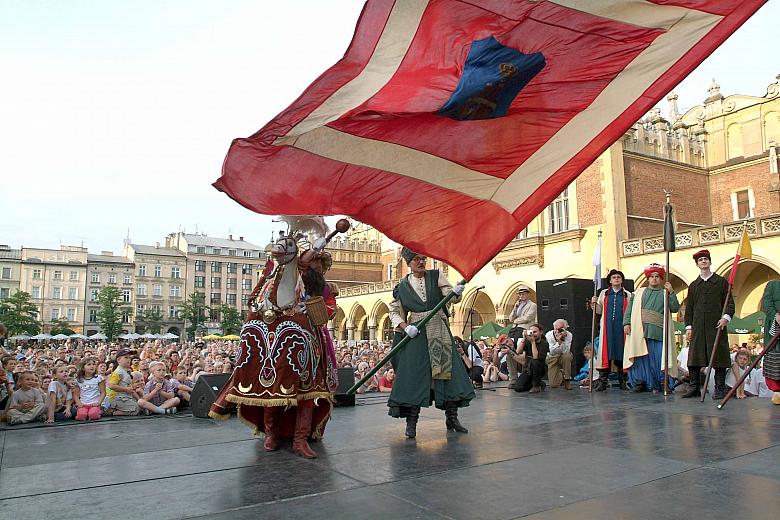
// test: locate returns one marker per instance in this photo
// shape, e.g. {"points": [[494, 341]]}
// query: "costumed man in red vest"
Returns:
{"points": [[611, 304], [704, 315]]}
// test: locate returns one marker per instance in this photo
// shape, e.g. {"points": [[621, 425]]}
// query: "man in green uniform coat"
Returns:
{"points": [[704, 315], [428, 369]]}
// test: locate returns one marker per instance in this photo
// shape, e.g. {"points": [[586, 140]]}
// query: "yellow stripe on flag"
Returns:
{"points": [[744, 252]]}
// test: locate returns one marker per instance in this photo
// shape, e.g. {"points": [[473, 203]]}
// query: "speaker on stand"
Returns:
{"points": [[205, 392]]}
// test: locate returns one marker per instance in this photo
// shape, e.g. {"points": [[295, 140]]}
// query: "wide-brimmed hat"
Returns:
{"points": [[615, 271], [523, 288]]}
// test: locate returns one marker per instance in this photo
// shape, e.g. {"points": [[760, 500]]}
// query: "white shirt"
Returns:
{"points": [[559, 348], [475, 358], [682, 359], [398, 314], [89, 390]]}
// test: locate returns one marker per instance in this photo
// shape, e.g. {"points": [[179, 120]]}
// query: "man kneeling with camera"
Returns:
{"points": [[531, 354], [560, 357]]}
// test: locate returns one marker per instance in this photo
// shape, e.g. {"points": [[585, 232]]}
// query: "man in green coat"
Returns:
{"points": [[708, 296], [429, 368]]}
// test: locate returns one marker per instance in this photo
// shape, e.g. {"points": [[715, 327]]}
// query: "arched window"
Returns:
{"points": [[734, 141]]}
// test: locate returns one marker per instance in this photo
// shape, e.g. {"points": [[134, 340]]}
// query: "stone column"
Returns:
{"points": [[372, 333], [350, 333]]}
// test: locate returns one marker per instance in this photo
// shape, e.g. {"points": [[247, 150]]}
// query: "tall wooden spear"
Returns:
{"points": [[669, 246]]}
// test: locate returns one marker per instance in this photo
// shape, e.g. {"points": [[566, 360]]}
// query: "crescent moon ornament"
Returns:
{"points": [[244, 389], [286, 391]]}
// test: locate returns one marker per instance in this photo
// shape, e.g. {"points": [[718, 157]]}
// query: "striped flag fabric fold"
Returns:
{"points": [[597, 264], [669, 228]]}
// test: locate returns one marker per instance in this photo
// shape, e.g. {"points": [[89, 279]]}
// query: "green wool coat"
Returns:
{"points": [[413, 383]]}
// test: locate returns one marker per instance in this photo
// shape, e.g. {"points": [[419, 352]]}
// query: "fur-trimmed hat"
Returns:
{"points": [[701, 253], [408, 255], [655, 268]]}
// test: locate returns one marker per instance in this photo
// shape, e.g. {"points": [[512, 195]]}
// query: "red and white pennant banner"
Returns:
{"points": [[449, 125]]}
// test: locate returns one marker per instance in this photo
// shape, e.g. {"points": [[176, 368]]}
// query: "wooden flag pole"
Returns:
{"points": [[404, 341], [665, 342], [593, 335]]}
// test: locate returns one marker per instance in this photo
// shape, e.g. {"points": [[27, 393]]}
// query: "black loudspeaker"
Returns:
{"points": [[346, 380], [206, 389], [568, 299]]}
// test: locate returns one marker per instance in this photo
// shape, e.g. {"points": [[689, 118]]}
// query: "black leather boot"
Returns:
{"points": [[602, 382], [720, 384], [451, 413], [693, 383], [622, 380], [639, 386], [411, 422]]}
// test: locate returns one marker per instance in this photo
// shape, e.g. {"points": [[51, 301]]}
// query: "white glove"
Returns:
{"points": [[458, 289], [411, 331]]}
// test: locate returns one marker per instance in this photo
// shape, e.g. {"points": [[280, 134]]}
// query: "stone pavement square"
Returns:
{"points": [[554, 455]]}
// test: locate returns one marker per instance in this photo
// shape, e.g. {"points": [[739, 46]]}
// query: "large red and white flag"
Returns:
{"points": [[450, 124]]}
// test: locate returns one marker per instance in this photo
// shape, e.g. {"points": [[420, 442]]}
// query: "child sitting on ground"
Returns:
{"points": [[122, 397], [159, 392], [60, 397], [738, 367], [90, 391], [183, 385], [27, 404], [583, 377]]}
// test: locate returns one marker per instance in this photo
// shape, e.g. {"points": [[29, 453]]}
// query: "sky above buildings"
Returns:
{"points": [[116, 116]]}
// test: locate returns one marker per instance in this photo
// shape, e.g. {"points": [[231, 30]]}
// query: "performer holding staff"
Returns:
{"points": [[428, 369], [708, 310]]}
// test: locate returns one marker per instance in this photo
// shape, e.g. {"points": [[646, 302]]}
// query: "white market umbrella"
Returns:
{"points": [[19, 337], [123, 336], [78, 336], [149, 336], [60, 337], [133, 335], [99, 335], [41, 336], [169, 335]]}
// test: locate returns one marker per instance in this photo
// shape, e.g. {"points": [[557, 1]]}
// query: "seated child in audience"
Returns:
{"points": [[183, 385], [583, 377], [27, 404], [121, 395], [159, 392], [6, 390], [9, 367], [90, 391], [60, 397], [738, 367]]}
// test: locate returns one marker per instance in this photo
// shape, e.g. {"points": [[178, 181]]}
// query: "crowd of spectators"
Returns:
{"points": [[77, 380], [82, 381]]}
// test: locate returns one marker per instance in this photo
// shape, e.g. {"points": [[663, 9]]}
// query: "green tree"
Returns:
{"points": [[60, 326], [231, 319], [111, 309], [149, 321], [19, 314], [193, 312]]}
